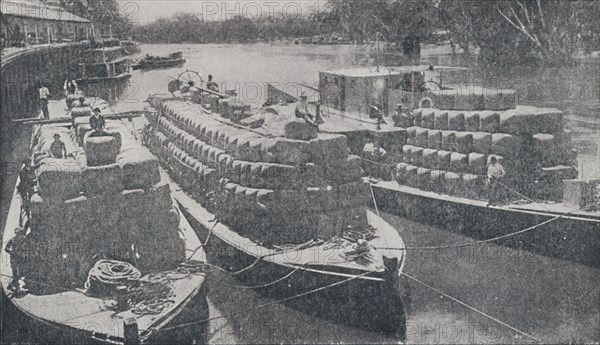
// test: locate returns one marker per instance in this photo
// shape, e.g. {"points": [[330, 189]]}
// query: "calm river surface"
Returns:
{"points": [[552, 300]]}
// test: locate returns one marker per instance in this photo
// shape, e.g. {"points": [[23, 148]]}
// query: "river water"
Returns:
{"points": [[551, 300]]}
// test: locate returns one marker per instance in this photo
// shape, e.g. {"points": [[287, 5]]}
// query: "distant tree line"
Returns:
{"points": [[504, 31], [190, 28]]}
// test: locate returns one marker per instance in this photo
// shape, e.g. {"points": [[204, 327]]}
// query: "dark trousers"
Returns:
{"points": [[494, 191], [44, 105]]}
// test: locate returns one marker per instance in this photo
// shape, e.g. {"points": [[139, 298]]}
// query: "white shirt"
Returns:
{"points": [[44, 93], [495, 170]]}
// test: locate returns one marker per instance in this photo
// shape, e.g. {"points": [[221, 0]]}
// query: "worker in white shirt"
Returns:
{"points": [[495, 172], [44, 94], [70, 88]]}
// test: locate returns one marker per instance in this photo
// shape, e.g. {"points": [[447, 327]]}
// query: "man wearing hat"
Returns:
{"points": [[58, 148], [97, 120], [212, 85], [375, 112], [303, 112], [15, 247]]}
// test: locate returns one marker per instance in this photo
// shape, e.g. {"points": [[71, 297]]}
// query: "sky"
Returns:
{"points": [[144, 11]]}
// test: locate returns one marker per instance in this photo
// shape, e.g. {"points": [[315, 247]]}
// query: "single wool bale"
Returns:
{"points": [[434, 140], [286, 151], [107, 179], [428, 119], [453, 183], [59, 179], [81, 112], [545, 147], [441, 120], [401, 172], [489, 121], [101, 150], [418, 117], [140, 170], [407, 153], [464, 142], [459, 162], [411, 136], [500, 100], [449, 140], [473, 186], [506, 144], [437, 183], [430, 158], [482, 142], [299, 129], [456, 121], [422, 137], [472, 122], [329, 147], [424, 178], [403, 120], [417, 156], [412, 178], [477, 163], [444, 159]]}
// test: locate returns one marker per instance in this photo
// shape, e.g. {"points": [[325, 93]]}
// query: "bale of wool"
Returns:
{"points": [[287, 151], [482, 142], [411, 177], [400, 172], [59, 179], [403, 120], [394, 137], [459, 162], [449, 140], [418, 117], [407, 153], [437, 183], [506, 144], [472, 122], [428, 119], [500, 100], [417, 156], [424, 178], [81, 112], [430, 159], [477, 163], [411, 136], [489, 121], [456, 121], [342, 170], [444, 159], [464, 142], [545, 146], [531, 120], [434, 140], [254, 121], [453, 183], [329, 147], [473, 186], [422, 137], [140, 170], [106, 179], [101, 150], [441, 120]]}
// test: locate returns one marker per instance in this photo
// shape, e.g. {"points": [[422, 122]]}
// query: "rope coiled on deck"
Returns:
{"points": [[107, 275]]}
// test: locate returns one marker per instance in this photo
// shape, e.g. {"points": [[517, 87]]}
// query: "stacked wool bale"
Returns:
{"points": [[451, 148], [272, 189], [107, 200]]}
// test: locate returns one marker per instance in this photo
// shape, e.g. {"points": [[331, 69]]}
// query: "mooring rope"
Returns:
{"points": [[245, 310], [472, 308]]}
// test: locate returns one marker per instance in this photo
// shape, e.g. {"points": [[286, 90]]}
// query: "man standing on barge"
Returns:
{"points": [[494, 173], [44, 94]]}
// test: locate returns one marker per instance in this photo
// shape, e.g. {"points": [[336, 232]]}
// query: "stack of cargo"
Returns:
{"points": [[107, 199], [273, 189], [447, 151]]}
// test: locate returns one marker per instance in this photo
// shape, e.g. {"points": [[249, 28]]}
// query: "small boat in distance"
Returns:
{"points": [[95, 249], [159, 62]]}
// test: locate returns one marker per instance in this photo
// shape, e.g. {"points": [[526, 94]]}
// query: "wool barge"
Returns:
{"points": [[281, 206], [98, 250], [435, 163]]}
